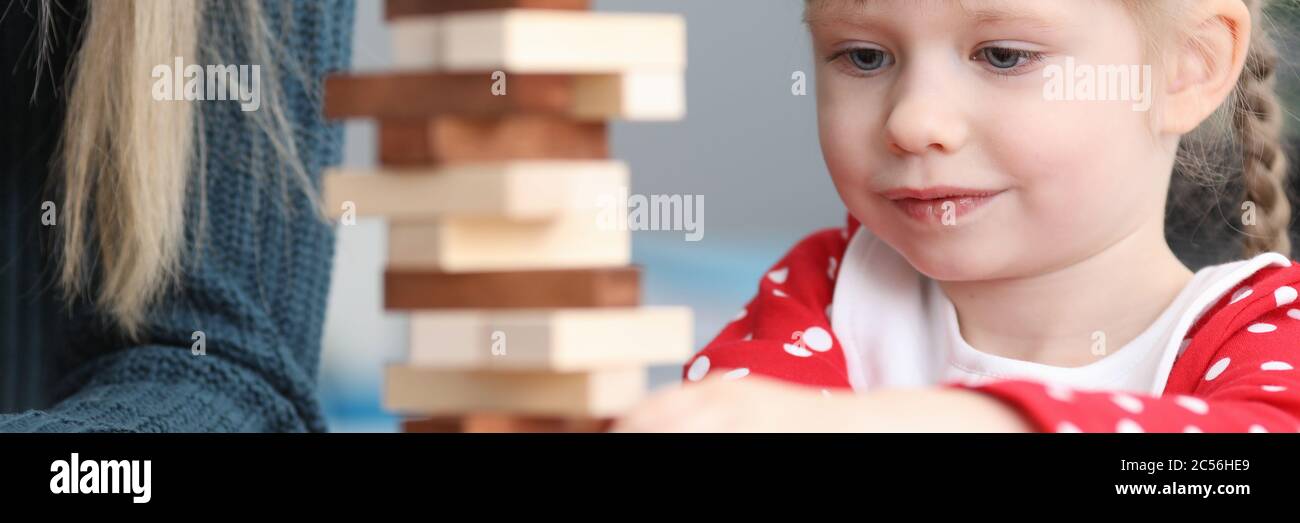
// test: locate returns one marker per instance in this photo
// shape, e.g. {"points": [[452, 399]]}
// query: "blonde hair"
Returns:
{"points": [[128, 162], [1257, 121], [1242, 140]]}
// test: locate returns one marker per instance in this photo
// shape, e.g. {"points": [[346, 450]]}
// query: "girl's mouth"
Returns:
{"points": [[940, 205]]}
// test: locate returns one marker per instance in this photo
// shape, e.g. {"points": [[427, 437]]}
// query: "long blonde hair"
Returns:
{"points": [[127, 161]]}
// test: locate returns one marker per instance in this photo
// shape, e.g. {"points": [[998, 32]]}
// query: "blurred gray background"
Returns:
{"points": [[748, 145]]}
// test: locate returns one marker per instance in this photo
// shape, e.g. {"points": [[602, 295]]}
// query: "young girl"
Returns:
{"points": [[1004, 265]]}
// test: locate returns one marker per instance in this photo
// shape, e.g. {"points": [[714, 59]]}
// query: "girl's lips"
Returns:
{"points": [[940, 205]]}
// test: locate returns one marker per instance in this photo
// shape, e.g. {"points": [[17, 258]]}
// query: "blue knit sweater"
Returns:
{"points": [[256, 286]]}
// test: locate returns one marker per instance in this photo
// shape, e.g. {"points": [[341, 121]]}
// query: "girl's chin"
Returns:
{"points": [[957, 264]]}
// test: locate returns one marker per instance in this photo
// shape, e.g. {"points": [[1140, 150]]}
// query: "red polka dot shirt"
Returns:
{"points": [[1234, 372]]}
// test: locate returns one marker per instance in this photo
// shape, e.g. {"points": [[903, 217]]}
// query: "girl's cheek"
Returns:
{"points": [[1062, 143], [1076, 164], [851, 117], [850, 140]]}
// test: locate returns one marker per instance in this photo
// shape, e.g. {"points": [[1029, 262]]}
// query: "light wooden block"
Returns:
{"points": [[432, 392], [606, 287], [416, 42], [540, 41], [471, 244], [458, 139], [515, 191], [557, 340], [394, 9], [634, 95]]}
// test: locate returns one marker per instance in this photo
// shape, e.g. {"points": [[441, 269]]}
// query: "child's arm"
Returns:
{"points": [[1249, 386], [759, 404], [1254, 383], [1237, 375]]}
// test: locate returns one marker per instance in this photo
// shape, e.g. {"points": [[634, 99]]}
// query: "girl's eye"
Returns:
{"points": [[868, 59], [1006, 60], [865, 59]]}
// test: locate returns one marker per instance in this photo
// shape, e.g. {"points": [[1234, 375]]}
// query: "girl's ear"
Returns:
{"points": [[1204, 63]]}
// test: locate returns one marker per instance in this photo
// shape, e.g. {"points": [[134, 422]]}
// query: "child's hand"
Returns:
{"points": [[757, 404], [752, 404]]}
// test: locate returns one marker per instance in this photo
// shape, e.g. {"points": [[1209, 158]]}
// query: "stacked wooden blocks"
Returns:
{"points": [[525, 312]]}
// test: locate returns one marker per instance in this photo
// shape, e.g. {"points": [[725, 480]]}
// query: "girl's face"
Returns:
{"points": [[942, 140]]}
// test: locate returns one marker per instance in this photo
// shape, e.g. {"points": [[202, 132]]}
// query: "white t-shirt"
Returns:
{"points": [[898, 328]]}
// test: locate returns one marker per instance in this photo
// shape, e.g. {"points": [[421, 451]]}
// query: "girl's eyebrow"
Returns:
{"points": [[1023, 17], [869, 14]]}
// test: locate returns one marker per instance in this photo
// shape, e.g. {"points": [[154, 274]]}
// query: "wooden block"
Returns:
{"points": [[524, 190], [558, 340], [473, 244], [540, 41], [636, 95], [480, 423], [609, 287], [408, 95], [416, 42], [449, 139], [394, 9], [422, 391]]}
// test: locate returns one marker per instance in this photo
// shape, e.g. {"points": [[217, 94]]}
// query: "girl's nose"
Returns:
{"points": [[925, 120]]}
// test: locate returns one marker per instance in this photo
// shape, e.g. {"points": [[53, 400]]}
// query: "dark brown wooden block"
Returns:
{"points": [[597, 287], [415, 95], [399, 8], [501, 423], [447, 139]]}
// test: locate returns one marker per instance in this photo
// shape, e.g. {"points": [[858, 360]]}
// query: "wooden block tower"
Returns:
{"points": [[494, 161]]}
